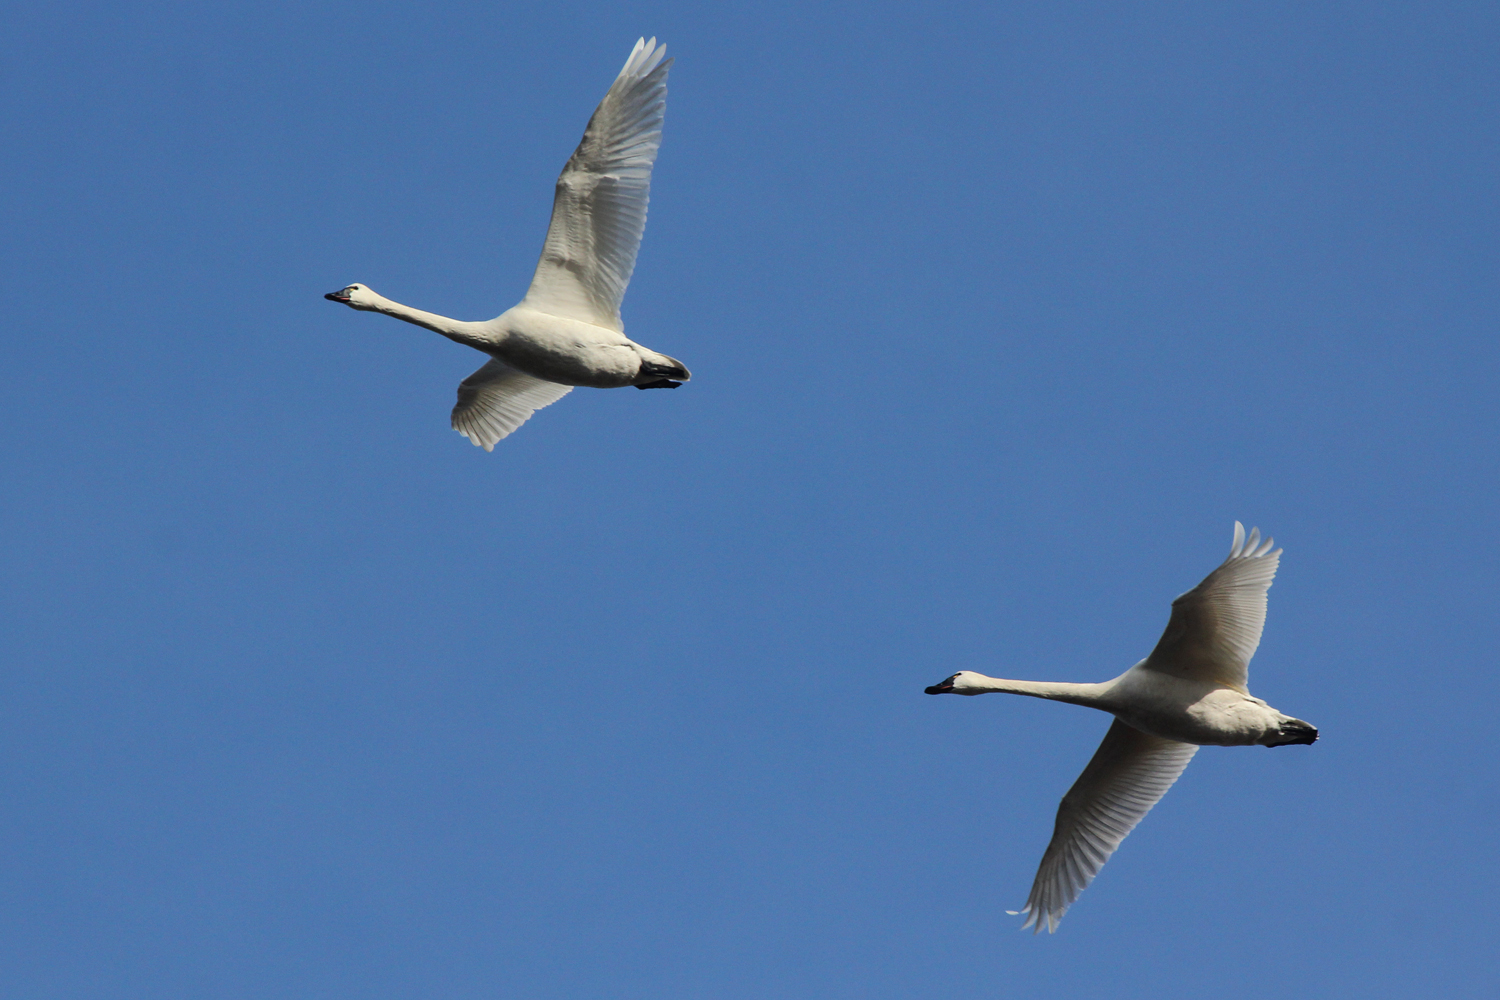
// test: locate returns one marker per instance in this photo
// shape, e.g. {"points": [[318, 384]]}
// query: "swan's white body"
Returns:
{"points": [[1189, 692], [567, 331]]}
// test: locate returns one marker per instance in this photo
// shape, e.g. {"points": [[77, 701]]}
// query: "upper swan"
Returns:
{"points": [[1190, 692], [567, 330]]}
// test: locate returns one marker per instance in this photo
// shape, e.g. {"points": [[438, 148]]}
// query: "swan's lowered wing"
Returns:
{"points": [[1129, 773], [1215, 627], [497, 399], [599, 211]]}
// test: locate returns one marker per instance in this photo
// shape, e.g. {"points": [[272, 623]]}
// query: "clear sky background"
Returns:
{"points": [[999, 316]]}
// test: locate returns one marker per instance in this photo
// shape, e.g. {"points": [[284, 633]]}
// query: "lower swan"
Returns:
{"points": [[1190, 692]]}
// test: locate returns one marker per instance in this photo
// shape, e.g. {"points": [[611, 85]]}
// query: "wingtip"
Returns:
{"points": [[473, 438], [640, 43], [1250, 546], [1035, 919], [644, 58]]}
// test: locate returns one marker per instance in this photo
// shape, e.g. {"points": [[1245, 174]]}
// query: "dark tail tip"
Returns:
{"points": [[675, 370], [1294, 732]]}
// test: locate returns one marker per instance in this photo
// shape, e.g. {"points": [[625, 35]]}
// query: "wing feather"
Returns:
{"points": [[599, 210], [1128, 774], [1215, 628], [497, 399]]}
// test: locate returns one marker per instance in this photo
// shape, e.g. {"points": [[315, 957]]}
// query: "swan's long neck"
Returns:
{"points": [[453, 329], [1076, 694]]}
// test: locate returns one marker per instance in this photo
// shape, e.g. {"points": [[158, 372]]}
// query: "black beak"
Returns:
{"points": [[337, 296], [946, 687]]}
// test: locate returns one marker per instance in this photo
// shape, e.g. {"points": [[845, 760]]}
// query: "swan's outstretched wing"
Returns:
{"points": [[497, 399], [599, 212], [1215, 627], [1129, 773]]}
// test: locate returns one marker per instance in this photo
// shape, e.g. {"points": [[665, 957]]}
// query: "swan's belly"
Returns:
{"points": [[1212, 729], [566, 351], [1206, 715]]}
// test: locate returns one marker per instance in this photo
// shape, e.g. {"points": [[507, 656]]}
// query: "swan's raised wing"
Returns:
{"points": [[599, 212], [1215, 627], [497, 399], [1128, 774]]}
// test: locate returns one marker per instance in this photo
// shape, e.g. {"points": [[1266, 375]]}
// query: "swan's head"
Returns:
{"points": [[963, 682], [356, 296]]}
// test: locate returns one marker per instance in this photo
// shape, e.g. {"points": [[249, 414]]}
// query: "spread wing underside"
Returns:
{"points": [[1128, 774], [599, 210], [497, 399], [1215, 628]]}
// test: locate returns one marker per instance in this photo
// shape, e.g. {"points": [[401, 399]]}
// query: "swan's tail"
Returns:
{"points": [[1295, 731], [661, 372]]}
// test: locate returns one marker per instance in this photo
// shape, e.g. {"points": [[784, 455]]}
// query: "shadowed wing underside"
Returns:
{"points": [[1215, 627], [497, 399], [1128, 774], [599, 211]]}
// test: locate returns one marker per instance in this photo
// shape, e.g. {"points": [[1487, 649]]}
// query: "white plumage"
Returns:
{"points": [[1127, 775], [1189, 692], [497, 399], [599, 210], [1215, 627], [567, 330]]}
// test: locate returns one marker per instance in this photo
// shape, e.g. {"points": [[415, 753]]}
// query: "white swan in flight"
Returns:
{"points": [[1189, 692], [567, 330]]}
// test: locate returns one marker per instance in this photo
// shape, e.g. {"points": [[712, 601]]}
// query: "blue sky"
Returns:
{"points": [[999, 316]]}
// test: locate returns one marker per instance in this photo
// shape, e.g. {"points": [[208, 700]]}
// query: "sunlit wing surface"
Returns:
{"points": [[599, 211]]}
